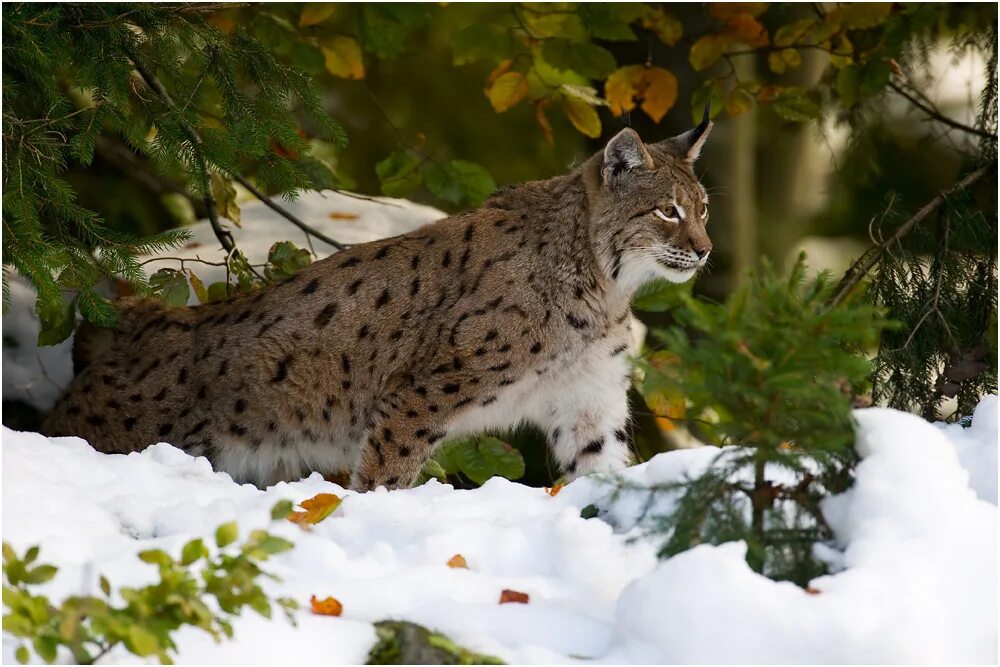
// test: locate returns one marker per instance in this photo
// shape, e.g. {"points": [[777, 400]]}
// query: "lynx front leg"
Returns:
{"points": [[398, 445], [588, 431]]}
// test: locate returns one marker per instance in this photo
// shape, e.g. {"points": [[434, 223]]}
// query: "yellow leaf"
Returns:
{"points": [[503, 66], [659, 92], [667, 28], [458, 562], [554, 490], [326, 607], [740, 101], [706, 51], [316, 12], [316, 509], [198, 287], [543, 121], [225, 198], [621, 86], [748, 30], [342, 57], [793, 33], [583, 116], [343, 216], [668, 410], [509, 89], [654, 87]]}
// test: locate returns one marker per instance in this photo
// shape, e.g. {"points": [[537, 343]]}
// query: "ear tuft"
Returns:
{"points": [[688, 146], [623, 154]]}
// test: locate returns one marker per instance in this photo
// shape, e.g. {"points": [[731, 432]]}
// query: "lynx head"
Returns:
{"points": [[650, 210]]}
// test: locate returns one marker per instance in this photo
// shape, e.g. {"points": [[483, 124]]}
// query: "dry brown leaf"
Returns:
{"points": [[508, 595], [812, 591], [336, 215], [316, 508], [458, 561], [326, 607]]}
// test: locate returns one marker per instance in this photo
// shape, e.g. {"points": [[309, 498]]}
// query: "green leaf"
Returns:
{"points": [[281, 510], [272, 544], [588, 59], [795, 105], [171, 286], [192, 551], [460, 182], [105, 585], [41, 574], [544, 22], [399, 174], [57, 318], [46, 648], [285, 259], [156, 557], [487, 457], [382, 34], [479, 41], [611, 21], [431, 470], [141, 641], [31, 554], [218, 291], [9, 555], [589, 512], [22, 655], [226, 534]]}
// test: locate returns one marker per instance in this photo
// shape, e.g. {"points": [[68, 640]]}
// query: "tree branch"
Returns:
{"points": [[860, 268], [267, 201], [937, 115]]}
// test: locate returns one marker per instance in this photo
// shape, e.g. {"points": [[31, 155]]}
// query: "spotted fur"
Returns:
{"points": [[518, 310]]}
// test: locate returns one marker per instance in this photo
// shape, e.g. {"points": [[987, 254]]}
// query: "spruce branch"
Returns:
{"points": [[225, 236], [860, 268]]}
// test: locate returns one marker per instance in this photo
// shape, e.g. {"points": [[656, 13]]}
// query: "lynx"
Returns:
{"points": [[516, 311]]}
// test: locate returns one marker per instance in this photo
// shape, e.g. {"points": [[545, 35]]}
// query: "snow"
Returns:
{"points": [[914, 567], [917, 546], [976, 452]]}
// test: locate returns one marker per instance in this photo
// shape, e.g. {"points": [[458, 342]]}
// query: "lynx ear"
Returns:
{"points": [[623, 154], [687, 146]]}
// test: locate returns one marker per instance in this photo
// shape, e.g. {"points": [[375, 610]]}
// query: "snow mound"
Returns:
{"points": [[918, 584], [977, 447]]}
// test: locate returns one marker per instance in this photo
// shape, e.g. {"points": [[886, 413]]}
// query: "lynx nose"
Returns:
{"points": [[702, 252]]}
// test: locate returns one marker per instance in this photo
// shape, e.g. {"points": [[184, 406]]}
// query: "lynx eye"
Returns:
{"points": [[669, 216]]}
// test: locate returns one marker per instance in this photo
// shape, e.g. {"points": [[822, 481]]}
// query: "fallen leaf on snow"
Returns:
{"points": [[458, 561], [812, 591], [513, 596], [316, 509], [554, 490], [326, 607], [343, 216]]}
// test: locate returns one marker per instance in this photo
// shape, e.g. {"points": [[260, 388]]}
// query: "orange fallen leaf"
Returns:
{"points": [[343, 216], [326, 607], [812, 591], [316, 508], [458, 561], [508, 595], [554, 490]]}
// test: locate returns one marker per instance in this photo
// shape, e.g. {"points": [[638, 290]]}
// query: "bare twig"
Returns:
{"points": [[860, 268], [286, 214], [937, 115]]}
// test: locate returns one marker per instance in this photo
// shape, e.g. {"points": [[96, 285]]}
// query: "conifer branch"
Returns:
{"points": [[860, 268], [225, 236]]}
